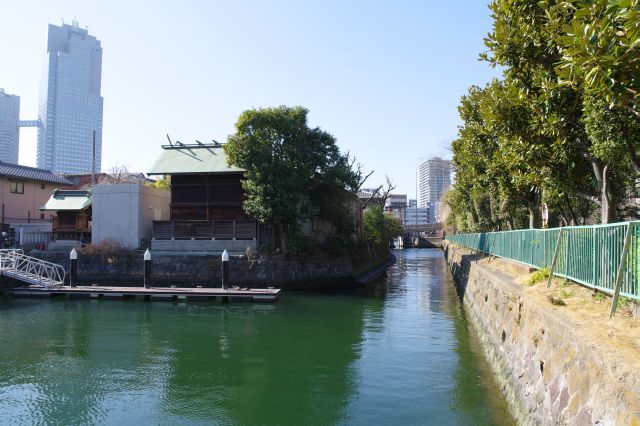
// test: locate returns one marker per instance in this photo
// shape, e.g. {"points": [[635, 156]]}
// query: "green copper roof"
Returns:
{"points": [[69, 200], [192, 159]]}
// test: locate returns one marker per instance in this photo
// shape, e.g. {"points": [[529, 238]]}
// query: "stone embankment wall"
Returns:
{"points": [[551, 370], [190, 270]]}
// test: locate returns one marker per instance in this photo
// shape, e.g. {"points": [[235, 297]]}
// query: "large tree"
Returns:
{"points": [[601, 48], [290, 168], [525, 41], [561, 128]]}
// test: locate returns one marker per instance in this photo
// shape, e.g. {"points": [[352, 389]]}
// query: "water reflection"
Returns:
{"points": [[420, 364], [398, 351]]}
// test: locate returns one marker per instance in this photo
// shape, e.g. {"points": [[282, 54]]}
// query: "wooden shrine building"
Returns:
{"points": [[206, 212]]}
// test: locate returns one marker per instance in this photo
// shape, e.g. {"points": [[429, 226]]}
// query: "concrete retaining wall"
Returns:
{"points": [[551, 370]]}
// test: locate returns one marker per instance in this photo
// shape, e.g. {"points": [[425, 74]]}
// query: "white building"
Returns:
{"points": [[9, 132], [70, 101], [396, 204], [125, 213], [395, 201], [434, 181], [418, 215]]}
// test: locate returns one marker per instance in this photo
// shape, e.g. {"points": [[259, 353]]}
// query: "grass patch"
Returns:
{"points": [[622, 301], [538, 276], [566, 294], [598, 297]]}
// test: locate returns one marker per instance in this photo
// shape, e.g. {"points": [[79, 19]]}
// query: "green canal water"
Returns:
{"points": [[398, 352]]}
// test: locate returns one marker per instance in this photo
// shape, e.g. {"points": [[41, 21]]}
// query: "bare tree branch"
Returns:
{"points": [[118, 174], [389, 187], [372, 198], [363, 180]]}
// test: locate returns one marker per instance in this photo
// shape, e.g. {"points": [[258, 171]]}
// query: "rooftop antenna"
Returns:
{"points": [[170, 143], [199, 143], [179, 143], [216, 142]]}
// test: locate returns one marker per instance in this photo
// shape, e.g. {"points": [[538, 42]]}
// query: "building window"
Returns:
{"points": [[41, 215], [43, 185], [17, 188]]}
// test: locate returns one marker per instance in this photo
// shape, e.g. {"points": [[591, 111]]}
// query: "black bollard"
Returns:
{"points": [[225, 270], [73, 276], [147, 268]]}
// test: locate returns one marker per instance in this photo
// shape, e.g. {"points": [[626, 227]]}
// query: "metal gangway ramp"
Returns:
{"points": [[15, 264]]}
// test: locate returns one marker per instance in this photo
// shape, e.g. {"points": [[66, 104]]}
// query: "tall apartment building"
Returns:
{"points": [[9, 131], [434, 179], [70, 101]]}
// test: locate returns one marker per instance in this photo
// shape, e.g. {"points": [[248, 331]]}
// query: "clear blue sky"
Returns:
{"points": [[384, 77]]}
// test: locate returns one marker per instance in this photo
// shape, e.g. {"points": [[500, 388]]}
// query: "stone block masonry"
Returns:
{"points": [[190, 270], [551, 369]]}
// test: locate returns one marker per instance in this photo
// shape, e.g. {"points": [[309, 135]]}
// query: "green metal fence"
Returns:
{"points": [[589, 255]]}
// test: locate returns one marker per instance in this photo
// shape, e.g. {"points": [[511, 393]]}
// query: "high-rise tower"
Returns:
{"points": [[70, 101], [9, 135], [434, 181]]}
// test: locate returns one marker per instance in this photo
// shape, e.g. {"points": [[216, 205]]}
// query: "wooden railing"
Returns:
{"points": [[204, 230]]}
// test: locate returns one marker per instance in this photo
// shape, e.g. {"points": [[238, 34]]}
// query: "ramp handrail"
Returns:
{"points": [[15, 263]]}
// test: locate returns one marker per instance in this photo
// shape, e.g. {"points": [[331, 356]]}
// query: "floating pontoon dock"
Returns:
{"points": [[152, 293]]}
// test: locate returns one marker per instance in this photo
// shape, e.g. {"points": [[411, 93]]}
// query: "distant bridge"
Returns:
{"points": [[428, 227]]}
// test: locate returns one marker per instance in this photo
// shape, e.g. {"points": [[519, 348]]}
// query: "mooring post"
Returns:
{"points": [[73, 257], [225, 270], [147, 268]]}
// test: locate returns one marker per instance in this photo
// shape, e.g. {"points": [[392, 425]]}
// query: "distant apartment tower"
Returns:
{"points": [[70, 101], [434, 180], [9, 131]]}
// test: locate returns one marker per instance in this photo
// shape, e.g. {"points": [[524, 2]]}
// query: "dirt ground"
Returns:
{"points": [[588, 308]]}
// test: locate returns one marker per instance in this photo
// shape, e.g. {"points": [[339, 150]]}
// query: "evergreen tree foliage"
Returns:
{"points": [[293, 172], [561, 127]]}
